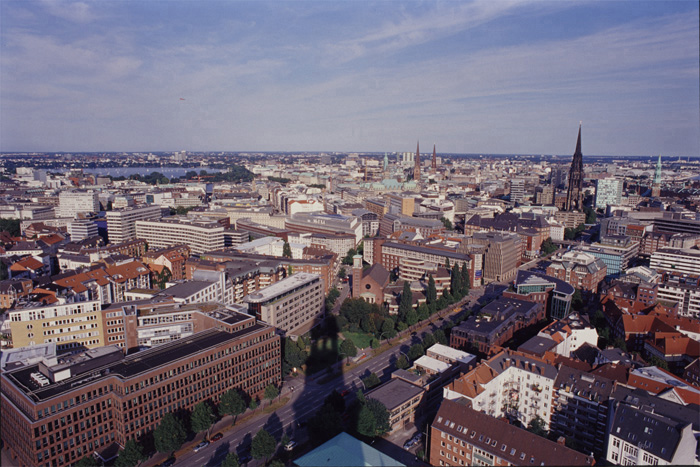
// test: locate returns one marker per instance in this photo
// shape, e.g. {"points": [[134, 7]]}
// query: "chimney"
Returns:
{"points": [[561, 440]]}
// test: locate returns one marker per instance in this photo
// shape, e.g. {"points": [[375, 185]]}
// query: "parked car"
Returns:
{"points": [[290, 445], [344, 392], [408, 444], [201, 446], [216, 437], [168, 462]]}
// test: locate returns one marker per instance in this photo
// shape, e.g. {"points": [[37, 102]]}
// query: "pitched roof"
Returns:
{"points": [[515, 445]]}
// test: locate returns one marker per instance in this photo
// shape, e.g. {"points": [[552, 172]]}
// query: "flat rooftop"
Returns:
{"points": [[282, 287], [129, 366], [344, 450]]}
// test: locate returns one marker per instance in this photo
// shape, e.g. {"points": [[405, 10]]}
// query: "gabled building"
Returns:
{"points": [[460, 435]]}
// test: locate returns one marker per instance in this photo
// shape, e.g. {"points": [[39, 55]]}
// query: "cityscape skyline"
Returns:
{"points": [[496, 78]]}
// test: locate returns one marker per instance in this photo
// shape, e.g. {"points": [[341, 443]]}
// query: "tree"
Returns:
{"points": [[371, 381], [286, 250], [88, 461], [401, 362], [446, 222], [381, 416], [388, 330], [577, 300], [263, 445], [406, 302], [294, 356], [11, 226], [431, 295], [548, 247], [131, 455], [657, 362], [429, 341], [455, 280], [423, 312], [366, 424], [335, 400], [253, 404], [231, 403], [231, 460], [411, 317], [440, 337], [162, 278], [416, 351], [347, 348], [202, 416], [465, 279], [591, 217], [271, 392], [170, 434], [536, 426], [341, 273], [325, 424]]}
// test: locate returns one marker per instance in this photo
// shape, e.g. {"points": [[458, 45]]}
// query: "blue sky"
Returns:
{"points": [[471, 77]]}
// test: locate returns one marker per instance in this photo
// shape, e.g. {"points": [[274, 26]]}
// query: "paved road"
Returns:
{"points": [[305, 399]]}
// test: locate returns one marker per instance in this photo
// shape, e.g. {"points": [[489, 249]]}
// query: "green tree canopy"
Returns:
{"points": [[231, 403], [456, 280], [348, 349], [371, 381], [170, 434], [406, 301], [401, 362], [388, 330], [431, 293], [131, 455], [416, 351], [548, 247], [231, 460], [429, 341], [202, 416], [271, 392], [440, 337], [88, 461], [423, 312], [263, 445], [446, 222], [466, 283], [366, 424], [286, 250], [411, 317], [325, 424], [373, 418], [537, 427]]}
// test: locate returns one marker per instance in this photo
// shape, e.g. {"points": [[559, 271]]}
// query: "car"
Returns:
{"points": [[216, 437], [417, 437], [201, 446], [408, 444], [290, 445], [168, 462], [344, 392]]}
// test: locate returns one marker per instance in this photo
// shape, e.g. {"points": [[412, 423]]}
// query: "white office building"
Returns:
{"points": [[200, 235], [121, 224], [608, 191], [72, 203]]}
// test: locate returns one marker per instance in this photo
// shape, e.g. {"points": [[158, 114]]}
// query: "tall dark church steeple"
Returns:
{"points": [[574, 196]]}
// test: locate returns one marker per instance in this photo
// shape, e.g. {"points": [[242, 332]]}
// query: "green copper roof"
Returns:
{"points": [[344, 450]]}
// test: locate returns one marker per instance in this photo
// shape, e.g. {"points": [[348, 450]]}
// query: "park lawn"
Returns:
{"points": [[360, 339]]}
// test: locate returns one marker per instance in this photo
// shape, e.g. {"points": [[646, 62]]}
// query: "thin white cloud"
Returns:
{"points": [[76, 12]]}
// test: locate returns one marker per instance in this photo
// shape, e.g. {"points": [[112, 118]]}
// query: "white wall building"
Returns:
{"points": [[72, 203]]}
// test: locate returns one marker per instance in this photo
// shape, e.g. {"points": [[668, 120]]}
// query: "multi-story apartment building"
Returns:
{"points": [[562, 337], [200, 235], [400, 203], [682, 289], [676, 261], [56, 414], [580, 408], [376, 205], [294, 304], [581, 270], [608, 191], [461, 435], [69, 325], [72, 203], [510, 384], [653, 241], [648, 430], [674, 222], [121, 225]]}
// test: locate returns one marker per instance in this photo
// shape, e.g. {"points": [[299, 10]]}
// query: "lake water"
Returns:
{"points": [[170, 172]]}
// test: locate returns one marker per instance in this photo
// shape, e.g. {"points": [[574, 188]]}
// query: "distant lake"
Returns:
{"points": [[170, 172]]}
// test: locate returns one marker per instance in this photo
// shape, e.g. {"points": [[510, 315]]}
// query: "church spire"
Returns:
{"points": [[656, 185], [416, 168], [574, 195], [434, 165]]}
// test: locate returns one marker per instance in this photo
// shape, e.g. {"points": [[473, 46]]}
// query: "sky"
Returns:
{"points": [[493, 77]]}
